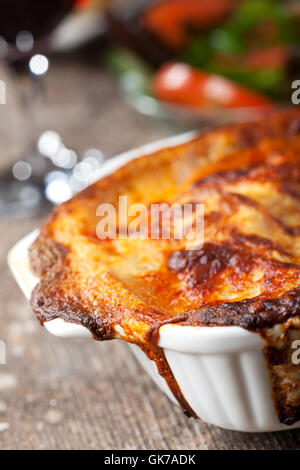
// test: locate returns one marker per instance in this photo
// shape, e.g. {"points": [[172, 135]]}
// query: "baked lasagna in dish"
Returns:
{"points": [[246, 272]]}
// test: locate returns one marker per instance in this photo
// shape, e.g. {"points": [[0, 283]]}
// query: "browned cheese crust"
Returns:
{"points": [[246, 273]]}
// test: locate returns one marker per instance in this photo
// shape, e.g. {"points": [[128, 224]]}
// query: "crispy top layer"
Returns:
{"points": [[246, 273]]}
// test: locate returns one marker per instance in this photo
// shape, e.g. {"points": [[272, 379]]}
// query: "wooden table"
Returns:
{"points": [[76, 393]]}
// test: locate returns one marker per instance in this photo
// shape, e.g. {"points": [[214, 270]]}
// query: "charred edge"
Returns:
{"points": [[293, 231], [288, 413], [251, 314], [156, 354], [48, 307]]}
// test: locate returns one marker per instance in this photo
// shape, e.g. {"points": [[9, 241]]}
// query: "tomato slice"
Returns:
{"points": [[179, 83], [170, 19]]}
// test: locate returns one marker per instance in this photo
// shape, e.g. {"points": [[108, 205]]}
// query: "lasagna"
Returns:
{"points": [[245, 273]]}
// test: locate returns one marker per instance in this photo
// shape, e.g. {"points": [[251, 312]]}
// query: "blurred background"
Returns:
{"points": [[81, 81], [78, 73]]}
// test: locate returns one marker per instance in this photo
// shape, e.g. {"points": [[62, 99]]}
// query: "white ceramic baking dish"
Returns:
{"points": [[221, 371]]}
